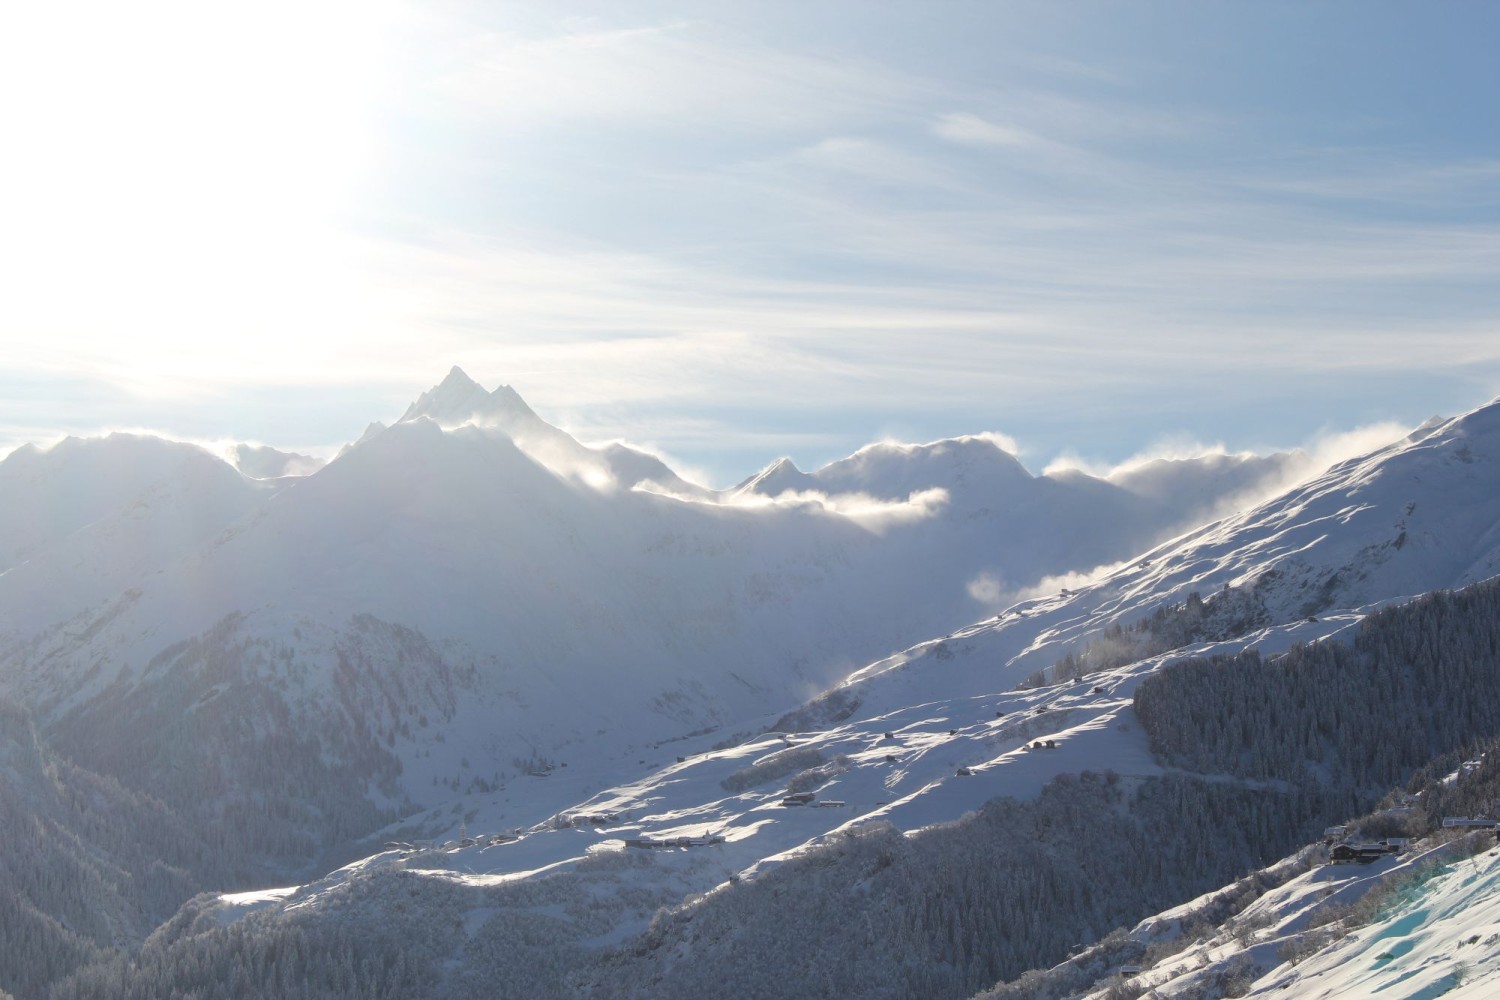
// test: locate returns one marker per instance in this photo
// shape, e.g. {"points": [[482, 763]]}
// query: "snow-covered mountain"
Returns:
{"points": [[84, 520], [979, 472], [469, 623], [459, 400], [1420, 514], [976, 861], [936, 732], [470, 596]]}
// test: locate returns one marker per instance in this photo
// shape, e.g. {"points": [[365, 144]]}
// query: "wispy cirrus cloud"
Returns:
{"points": [[970, 129], [674, 74]]}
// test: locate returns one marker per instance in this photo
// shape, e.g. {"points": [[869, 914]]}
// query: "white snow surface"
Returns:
{"points": [[1436, 935], [1439, 939]]}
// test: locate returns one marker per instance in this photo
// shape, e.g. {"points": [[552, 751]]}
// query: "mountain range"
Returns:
{"points": [[548, 601], [567, 688]]}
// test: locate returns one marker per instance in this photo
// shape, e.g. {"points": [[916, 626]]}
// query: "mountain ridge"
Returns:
{"points": [[554, 695]]}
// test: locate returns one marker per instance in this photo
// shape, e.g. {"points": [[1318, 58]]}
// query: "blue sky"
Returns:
{"points": [[738, 231]]}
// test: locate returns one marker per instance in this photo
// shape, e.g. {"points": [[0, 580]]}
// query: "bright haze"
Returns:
{"points": [[731, 232]]}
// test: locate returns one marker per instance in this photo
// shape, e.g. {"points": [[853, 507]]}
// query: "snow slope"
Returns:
{"points": [[1421, 514], [86, 518], [1433, 934], [693, 817], [470, 596], [927, 735], [532, 658], [1437, 939]]}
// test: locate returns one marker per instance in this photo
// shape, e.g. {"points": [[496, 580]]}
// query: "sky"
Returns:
{"points": [[732, 232]]}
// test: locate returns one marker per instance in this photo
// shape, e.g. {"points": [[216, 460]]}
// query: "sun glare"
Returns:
{"points": [[181, 165]]}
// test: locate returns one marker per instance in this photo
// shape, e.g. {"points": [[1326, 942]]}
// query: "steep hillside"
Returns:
{"points": [[470, 598], [968, 874], [465, 625], [88, 866], [1181, 796]]}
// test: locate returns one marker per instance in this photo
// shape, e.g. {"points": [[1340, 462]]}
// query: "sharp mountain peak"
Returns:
{"points": [[458, 399]]}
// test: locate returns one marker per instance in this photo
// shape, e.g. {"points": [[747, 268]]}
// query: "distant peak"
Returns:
{"points": [[458, 377], [458, 399], [778, 477], [782, 465]]}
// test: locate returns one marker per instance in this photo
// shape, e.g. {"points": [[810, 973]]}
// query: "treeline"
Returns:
{"points": [[770, 767], [266, 960], [379, 934], [1417, 681]]}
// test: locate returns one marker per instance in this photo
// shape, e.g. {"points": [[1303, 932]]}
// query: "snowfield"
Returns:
{"points": [[1434, 935]]}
